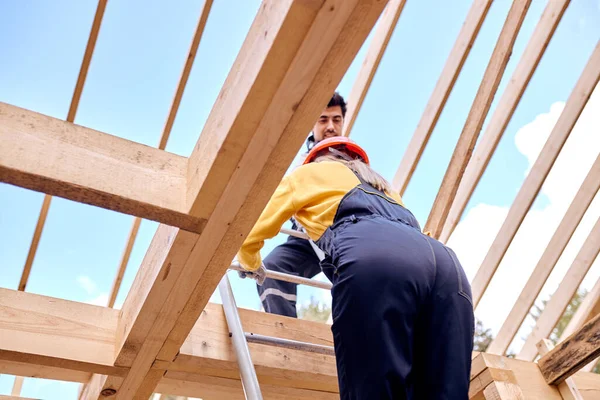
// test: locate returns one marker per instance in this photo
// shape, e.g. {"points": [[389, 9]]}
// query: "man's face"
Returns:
{"points": [[329, 123]]}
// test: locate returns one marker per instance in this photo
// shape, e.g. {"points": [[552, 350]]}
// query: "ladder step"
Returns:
{"points": [[289, 344]]}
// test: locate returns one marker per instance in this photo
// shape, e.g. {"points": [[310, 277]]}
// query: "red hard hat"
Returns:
{"points": [[341, 143]]}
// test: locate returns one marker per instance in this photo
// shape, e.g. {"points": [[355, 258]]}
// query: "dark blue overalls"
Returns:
{"points": [[403, 319]]}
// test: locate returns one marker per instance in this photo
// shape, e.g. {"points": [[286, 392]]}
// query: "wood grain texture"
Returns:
{"points": [[481, 105]]}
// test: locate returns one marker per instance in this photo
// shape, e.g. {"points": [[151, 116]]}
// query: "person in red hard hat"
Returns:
{"points": [[296, 256], [403, 320]]}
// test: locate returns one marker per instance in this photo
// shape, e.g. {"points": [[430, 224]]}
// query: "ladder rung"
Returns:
{"points": [[288, 278], [289, 344]]}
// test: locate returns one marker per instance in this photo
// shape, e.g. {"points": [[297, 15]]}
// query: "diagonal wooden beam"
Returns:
{"points": [[536, 47], [381, 37], [560, 299], [441, 92], [548, 260], [588, 309], [162, 144], [536, 177], [46, 154], [568, 357], [85, 65], [477, 114], [294, 56]]}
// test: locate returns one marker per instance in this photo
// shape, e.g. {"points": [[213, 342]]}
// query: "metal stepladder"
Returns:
{"points": [[240, 338]]}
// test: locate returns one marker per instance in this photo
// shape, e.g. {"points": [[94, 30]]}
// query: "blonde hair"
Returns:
{"points": [[361, 169]]}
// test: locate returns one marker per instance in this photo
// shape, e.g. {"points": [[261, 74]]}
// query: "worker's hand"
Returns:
{"points": [[259, 275]]}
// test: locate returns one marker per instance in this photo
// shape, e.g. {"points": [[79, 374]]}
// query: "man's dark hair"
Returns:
{"points": [[338, 100]]}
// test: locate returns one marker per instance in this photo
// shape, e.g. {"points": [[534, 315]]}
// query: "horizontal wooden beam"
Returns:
{"points": [[477, 114], [51, 332], [60, 339], [536, 177], [63, 159], [570, 355]]}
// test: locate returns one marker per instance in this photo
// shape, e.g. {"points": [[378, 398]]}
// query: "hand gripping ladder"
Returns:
{"points": [[240, 338]]}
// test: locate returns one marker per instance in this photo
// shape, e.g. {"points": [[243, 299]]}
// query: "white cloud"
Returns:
{"points": [[100, 300], [475, 233], [87, 284]]}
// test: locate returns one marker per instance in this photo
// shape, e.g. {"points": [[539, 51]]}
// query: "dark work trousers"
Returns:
{"points": [[297, 257], [403, 319]]}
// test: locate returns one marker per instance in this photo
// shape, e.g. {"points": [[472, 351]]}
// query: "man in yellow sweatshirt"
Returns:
{"points": [[403, 320], [296, 256]]}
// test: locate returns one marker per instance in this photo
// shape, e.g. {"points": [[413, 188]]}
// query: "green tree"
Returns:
{"points": [[483, 337], [314, 311]]}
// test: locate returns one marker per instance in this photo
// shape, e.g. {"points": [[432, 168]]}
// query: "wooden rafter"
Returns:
{"points": [[85, 65], [441, 92], [548, 260], [274, 92], [162, 144], [381, 37], [562, 296], [536, 177], [536, 47], [567, 389], [477, 114]]}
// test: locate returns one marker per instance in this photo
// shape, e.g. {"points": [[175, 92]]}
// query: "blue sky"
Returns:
{"points": [[136, 66]]}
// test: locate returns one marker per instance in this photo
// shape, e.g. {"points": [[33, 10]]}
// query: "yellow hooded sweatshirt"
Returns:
{"points": [[311, 194]]}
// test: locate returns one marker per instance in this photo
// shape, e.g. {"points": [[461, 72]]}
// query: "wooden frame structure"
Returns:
{"points": [[167, 338]]}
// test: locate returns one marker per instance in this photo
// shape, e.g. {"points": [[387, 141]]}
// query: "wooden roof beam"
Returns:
{"points": [[83, 71], [162, 144], [548, 260], [560, 299], [475, 119], [381, 37], [441, 92], [536, 177], [46, 154], [504, 111], [293, 58]]}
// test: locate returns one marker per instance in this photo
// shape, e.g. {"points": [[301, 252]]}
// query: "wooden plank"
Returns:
{"points": [[162, 144], [441, 92], [46, 154], [276, 89], [503, 391], [83, 70], [577, 350], [559, 301], [505, 109], [381, 37], [17, 386], [533, 183], [211, 387], [42, 371], [208, 351], [588, 384], [568, 390], [477, 114], [15, 397], [57, 333], [586, 193], [527, 376]]}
